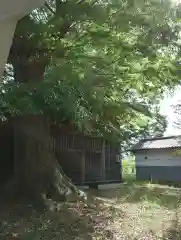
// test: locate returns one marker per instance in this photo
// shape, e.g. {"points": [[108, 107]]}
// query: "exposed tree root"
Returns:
{"points": [[38, 174], [60, 189]]}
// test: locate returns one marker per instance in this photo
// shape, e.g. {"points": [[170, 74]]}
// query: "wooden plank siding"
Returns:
{"points": [[93, 170], [83, 167], [84, 159], [6, 152], [103, 161]]}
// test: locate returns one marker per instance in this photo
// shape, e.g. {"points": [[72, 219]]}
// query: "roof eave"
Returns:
{"points": [[17, 8]]}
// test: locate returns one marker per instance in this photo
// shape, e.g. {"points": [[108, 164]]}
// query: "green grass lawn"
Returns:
{"points": [[130, 211]]}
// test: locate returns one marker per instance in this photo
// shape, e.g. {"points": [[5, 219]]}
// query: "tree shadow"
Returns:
{"points": [[70, 221], [174, 231], [134, 193]]}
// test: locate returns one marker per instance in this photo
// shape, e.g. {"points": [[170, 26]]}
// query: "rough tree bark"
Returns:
{"points": [[37, 173]]}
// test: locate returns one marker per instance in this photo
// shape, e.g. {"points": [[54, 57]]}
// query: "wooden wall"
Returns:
{"points": [[86, 159], [6, 152]]}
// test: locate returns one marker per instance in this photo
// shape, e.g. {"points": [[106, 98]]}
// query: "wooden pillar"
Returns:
{"points": [[82, 166], [109, 160], [103, 161]]}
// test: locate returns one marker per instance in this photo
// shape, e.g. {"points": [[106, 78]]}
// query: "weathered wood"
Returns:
{"points": [[37, 172], [77, 150], [100, 156], [6, 151], [76, 141], [108, 161], [83, 167], [103, 161]]}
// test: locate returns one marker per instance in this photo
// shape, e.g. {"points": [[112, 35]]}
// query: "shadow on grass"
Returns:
{"points": [[135, 192], [72, 221]]}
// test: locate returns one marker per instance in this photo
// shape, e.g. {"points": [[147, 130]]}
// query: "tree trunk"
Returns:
{"points": [[37, 173]]}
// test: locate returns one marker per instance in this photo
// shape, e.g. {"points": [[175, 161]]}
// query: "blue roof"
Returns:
{"points": [[158, 143]]}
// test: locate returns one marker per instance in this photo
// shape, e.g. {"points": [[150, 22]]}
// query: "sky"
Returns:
{"points": [[167, 110]]}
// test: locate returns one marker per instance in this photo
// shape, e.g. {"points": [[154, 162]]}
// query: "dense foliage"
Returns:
{"points": [[104, 65]]}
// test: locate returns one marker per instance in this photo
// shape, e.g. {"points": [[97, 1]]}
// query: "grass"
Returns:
{"points": [[128, 212], [128, 170]]}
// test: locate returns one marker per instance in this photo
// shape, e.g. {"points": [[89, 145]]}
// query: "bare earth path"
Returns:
{"points": [[144, 212], [127, 212]]}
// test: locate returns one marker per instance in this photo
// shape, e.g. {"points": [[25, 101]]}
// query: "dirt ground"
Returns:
{"points": [[127, 212]]}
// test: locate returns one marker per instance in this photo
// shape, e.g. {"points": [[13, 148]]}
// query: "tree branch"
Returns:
{"points": [[49, 8]]}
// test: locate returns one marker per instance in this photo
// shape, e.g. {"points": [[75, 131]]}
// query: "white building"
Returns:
{"points": [[10, 12], [158, 159]]}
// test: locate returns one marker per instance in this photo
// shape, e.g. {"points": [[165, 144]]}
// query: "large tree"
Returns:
{"points": [[102, 64]]}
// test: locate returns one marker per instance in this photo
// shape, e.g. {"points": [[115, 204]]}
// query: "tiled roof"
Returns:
{"points": [[158, 143]]}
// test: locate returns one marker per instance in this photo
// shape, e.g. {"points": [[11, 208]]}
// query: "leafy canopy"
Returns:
{"points": [[106, 64]]}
